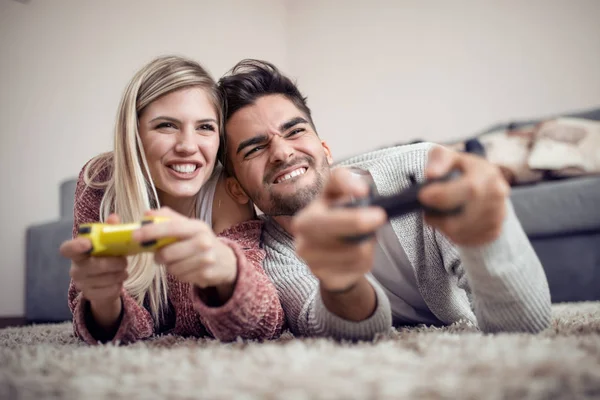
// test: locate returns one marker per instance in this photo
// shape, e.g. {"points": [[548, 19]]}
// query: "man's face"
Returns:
{"points": [[277, 157]]}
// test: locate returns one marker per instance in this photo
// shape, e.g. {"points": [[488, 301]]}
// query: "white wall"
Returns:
{"points": [[376, 72], [63, 67], [381, 72]]}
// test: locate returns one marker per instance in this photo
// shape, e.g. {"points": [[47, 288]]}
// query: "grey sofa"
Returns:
{"points": [[562, 221], [47, 272], [561, 218]]}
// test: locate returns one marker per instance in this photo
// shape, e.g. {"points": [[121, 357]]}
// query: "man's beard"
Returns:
{"points": [[277, 204]]}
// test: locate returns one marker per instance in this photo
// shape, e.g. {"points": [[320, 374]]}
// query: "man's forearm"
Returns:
{"points": [[356, 304]]}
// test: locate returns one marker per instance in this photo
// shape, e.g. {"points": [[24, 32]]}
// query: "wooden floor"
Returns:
{"points": [[12, 321]]}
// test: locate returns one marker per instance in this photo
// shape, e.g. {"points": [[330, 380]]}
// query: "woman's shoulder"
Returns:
{"points": [[91, 185], [246, 233], [97, 172]]}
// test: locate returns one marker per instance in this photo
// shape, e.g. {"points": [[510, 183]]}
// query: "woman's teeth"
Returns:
{"points": [[184, 168], [296, 172]]}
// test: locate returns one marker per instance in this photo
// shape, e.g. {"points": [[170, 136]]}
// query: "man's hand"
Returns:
{"points": [[481, 189], [319, 230], [197, 257]]}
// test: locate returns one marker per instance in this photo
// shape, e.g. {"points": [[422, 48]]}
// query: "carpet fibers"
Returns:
{"points": [[455, 362]]}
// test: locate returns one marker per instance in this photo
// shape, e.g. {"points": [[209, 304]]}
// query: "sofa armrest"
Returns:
{"points": [[47, 272], [557, 208]]}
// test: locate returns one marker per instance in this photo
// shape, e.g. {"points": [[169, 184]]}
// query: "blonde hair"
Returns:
{"points": [[129, 191]]}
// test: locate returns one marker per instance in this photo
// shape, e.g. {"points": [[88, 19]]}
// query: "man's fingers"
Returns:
{"points": [[440, 161], [447, 195], [329, 224], [76, 249], [338, 256], [343, 184]]}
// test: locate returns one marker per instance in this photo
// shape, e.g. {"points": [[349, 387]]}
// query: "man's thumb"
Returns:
{"points": [[343, 183]]}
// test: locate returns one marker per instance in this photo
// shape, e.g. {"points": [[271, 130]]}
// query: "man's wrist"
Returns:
{"points": [[357, 303], [339, 290]]}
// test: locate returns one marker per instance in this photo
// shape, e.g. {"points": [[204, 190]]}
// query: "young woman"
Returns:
{"points": [[164, 163]]}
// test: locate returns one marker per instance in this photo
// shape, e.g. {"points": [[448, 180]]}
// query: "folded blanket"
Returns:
{"points": [[557, 148]]}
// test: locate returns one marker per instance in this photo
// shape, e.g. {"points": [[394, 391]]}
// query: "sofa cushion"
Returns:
{"points": [[558, 207], [47, 272]]}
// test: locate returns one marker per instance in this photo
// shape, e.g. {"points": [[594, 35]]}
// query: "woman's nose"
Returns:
{"points": [[185, 142]]}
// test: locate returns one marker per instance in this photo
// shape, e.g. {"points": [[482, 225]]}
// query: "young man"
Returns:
{"points": [[478, 265]]}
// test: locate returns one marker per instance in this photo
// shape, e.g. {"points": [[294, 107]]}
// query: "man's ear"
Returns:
{"points": [[234, 189], [327, 152]]}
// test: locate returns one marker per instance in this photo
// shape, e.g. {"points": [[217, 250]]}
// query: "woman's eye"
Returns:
{"points": [[165, 125], [208, 127]]}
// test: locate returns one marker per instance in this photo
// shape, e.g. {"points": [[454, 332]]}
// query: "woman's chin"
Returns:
{"points": [[182, 190]]}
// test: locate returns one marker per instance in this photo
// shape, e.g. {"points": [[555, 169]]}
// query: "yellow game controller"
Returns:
{"points": [[116, 239]]}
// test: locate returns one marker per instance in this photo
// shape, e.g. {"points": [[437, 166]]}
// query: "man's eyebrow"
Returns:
{"points": [[200, 121], [252, 141], [294, 121], [264, 138]]}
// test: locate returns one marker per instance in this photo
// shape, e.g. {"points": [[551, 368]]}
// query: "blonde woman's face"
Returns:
{"points": [[180, 135]]}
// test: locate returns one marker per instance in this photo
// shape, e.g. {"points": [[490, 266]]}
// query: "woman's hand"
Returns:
{"points": [[197, 257], [99, 279]]}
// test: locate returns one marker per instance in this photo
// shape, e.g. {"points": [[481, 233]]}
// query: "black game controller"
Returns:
{"points": [[404, 202], [407, 200]]}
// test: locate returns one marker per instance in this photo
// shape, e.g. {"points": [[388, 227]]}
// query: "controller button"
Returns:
{"points": [[84, 229]]}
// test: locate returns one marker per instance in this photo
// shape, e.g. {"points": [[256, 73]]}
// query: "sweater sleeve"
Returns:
{"points": [[305, 311], [135, 321], [254, 310], [505, 278]]}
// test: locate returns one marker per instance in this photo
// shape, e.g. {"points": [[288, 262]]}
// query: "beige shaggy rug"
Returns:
{"points": [[456, 362]]}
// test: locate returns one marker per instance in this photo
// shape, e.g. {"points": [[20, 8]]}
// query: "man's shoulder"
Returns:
{"points": [[275, 240], [411, 153]]}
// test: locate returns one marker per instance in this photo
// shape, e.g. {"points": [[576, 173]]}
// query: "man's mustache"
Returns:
{"points": [[268, 179]]}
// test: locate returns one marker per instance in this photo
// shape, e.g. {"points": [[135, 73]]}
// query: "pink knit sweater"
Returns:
{"points": [[253, 312]]}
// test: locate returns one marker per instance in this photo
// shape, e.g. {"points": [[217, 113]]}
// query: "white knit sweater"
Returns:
{"points": [[500, 286]]}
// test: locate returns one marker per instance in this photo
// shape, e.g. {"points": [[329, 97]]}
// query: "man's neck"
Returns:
{"points": [[286, 223]]}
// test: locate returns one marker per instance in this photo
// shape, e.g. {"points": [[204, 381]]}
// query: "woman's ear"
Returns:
{"points": [[234, 189]]}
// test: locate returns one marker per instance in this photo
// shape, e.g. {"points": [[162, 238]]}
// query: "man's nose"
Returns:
{"points": [[186, 143], [281, 150]]}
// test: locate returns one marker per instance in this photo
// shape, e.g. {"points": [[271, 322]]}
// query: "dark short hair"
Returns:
{"points": [[245, 83]]}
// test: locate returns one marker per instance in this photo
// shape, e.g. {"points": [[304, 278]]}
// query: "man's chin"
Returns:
{"points": [[289, 205]]}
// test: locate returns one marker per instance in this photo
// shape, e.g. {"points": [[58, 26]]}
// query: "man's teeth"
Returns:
{"points": [[184, 168], [296, 172]]}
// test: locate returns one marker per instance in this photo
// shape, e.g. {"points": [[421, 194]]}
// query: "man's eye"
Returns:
{"points": [[295, 132], [166, 125], [253, 151], [207, 127]]}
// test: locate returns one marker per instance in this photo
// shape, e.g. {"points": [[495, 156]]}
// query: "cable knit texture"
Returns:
{"points": [[500, 286], [253, 312]]}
